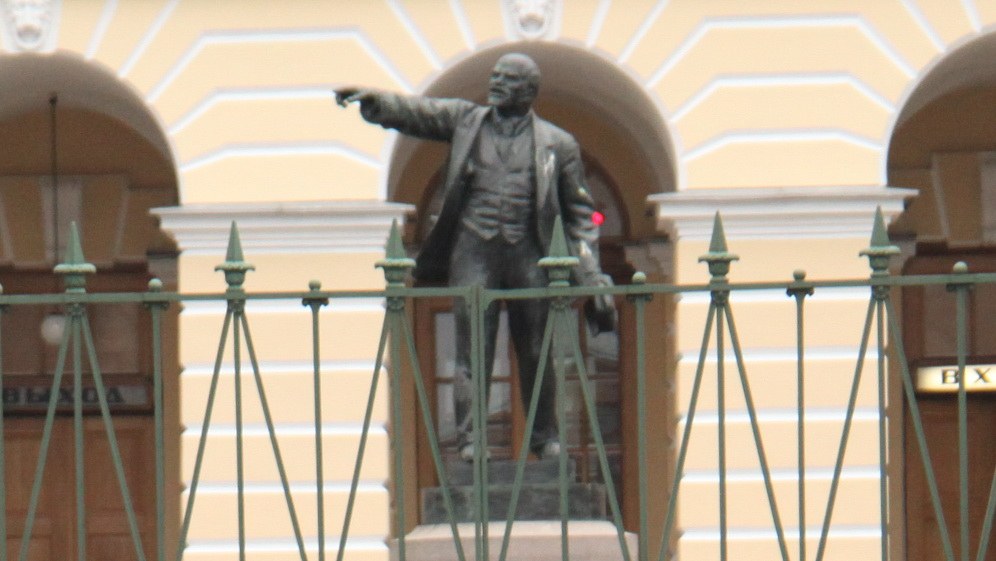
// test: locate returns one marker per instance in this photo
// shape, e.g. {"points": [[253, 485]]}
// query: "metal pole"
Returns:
{"points": [[799, 290], [240, 477], [315, 302], [74, 326], [640, 309]]}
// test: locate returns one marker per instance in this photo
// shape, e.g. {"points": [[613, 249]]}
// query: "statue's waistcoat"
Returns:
{"points": [[501, 184]]}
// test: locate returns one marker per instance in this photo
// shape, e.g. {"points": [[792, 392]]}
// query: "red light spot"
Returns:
{"points": [[598, 218]]}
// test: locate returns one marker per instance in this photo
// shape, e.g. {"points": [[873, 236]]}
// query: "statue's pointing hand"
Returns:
{"points": [[345, 96]]}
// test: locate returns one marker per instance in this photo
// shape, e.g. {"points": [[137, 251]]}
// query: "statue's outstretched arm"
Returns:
{"points": [[420, 116]]}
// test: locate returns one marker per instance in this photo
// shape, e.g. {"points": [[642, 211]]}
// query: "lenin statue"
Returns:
{"points": [[509, 175]]}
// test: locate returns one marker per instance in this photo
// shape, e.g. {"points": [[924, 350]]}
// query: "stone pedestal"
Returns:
{"points": [[536, 532], [539, 498], [588, 540]]}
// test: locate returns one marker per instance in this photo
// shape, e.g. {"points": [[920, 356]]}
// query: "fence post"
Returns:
{"points": [[718, 260], [396, 265], [558, 265], [879, 254], [235, 268]]}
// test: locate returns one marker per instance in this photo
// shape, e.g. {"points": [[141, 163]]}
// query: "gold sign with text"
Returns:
{"points": [[947, 379]]}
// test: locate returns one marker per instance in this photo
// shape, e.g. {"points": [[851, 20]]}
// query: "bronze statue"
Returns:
{"points": [[509, 175]]}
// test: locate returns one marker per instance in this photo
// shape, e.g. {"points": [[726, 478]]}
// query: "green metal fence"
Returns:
{"points": [[880, 336]]}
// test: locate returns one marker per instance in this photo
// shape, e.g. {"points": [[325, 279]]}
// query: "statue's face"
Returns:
{"points": [[511, 85]]}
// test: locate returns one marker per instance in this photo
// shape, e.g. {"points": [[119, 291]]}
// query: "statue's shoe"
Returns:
{"points": [[467, 453], [549, 450]]}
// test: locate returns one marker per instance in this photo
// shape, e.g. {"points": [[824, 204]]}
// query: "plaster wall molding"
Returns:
{"points": [[305, 227], [30, 25], [778, 213]]}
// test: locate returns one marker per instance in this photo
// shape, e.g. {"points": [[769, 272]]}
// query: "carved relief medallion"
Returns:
{"points": [[29, 25], [532, 19]]}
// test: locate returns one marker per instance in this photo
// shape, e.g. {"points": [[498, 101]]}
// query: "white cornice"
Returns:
{"points": [[305, 227], [778, 212]]}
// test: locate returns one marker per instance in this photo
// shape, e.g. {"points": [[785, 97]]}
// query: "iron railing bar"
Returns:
{"points": [[364, 434], [78, 451], [476, 309], [756, 429], [845, 433], [987, 524], [914, 410], [160, 454], [315, 304], [43, 448], [3, 462], [781, 286], [961, 319], [202, 444], [397, 434], [721, 414], [679, 466], [268, 418], [112, 440], [560, 371], [240, 478], [596, 430], [520, 465], [799, 290], [639, 308], [502, 294], [156, 310], [882, 435], [437, 456]]}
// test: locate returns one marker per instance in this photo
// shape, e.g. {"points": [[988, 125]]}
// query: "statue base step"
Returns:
{"points": [[502, 472], [537, 501]]}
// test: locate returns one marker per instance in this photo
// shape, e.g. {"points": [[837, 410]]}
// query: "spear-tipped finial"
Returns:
{"points": [[558, 241], [75, 267], [880, 248], [396, 262], [719, 257], [880, 237], [395, 249], [235, 266], [718, 242], [559, 262], [234, 253]]}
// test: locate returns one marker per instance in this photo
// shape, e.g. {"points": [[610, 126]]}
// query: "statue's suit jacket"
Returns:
{"points": [[559, 176]]}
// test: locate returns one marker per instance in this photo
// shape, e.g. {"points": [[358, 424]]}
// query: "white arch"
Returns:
{"points": [[971, 60], [30, 79]]}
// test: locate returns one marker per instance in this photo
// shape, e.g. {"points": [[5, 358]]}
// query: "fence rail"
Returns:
{"points": [[880, 339]]}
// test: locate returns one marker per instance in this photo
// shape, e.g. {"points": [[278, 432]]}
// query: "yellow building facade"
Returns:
{"points": [[794, 121]]}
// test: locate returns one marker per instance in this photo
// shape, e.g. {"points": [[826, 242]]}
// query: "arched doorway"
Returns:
{"points": [[83, 148], [944, 144], [626, 152]]}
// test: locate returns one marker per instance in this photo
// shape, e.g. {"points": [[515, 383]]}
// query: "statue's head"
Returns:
{"points": [[514, 83]]}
